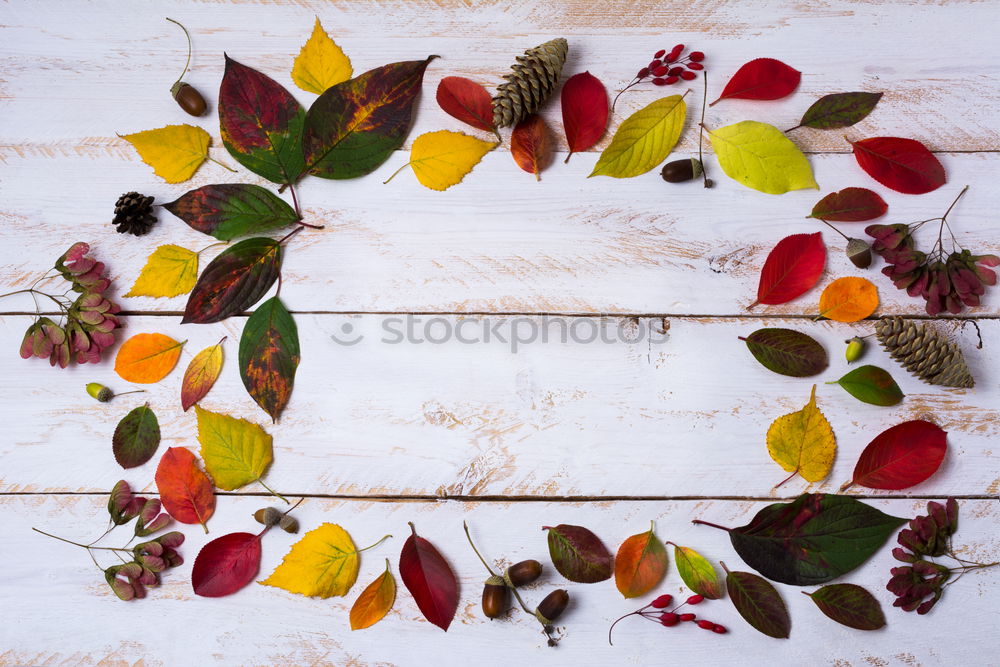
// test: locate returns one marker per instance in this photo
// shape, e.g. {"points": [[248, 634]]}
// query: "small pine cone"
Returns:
{"points": [[534, 77], [134, 214], [924, 352]]}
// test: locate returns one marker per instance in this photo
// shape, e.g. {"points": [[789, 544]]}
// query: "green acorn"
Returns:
{"points": [[855, 348], [104, 394]]}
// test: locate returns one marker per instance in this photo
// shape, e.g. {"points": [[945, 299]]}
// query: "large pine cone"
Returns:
{"points": [[924, 352], [534, 77]]}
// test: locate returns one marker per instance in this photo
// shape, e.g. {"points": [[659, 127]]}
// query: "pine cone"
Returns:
{"points": [[134, 214], [535, 76], [924, 352]]}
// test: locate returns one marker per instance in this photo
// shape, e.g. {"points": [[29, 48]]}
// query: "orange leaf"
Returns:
{"points": [[640, 565], [848, 299], [147, 358], [201, 374], [185, 489], [374, 602], [531, 145]]}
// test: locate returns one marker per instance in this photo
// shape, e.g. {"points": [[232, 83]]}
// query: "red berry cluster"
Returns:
{"points": [[669, 68], [654, 612]]}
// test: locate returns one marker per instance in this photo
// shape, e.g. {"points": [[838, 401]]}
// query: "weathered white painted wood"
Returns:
{"points": [[682, 417], [497, 242], [64, 613]]}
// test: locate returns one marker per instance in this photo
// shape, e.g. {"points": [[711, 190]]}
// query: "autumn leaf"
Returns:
{"points": [[234, 281], [643, 140], [761, 79], [761, 157], [905, 165], [136, 437], [803, 442], [848, 299], [584, 102], [759, 603], [430, 580], [229, 210], [900, 457], [170, 271], [697, 572], [321, 63], [850, 605], [148, 357], [375, 601], [872, 385], [579, 554], [467, 101], [792, 268], [531, 145], [640, 565], [269, 356], [850, 205], [174, 152], [442, 159], [324, 563], [838, 110], [185, 489], [787, 352], [201, 374], [226, 564], [236, 451]]}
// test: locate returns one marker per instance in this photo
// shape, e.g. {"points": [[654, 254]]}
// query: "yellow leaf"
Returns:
{"points": [[442, 159], [174, 152], [147, 357], [171, 270], [201, 374], [803, 442], [848, 299], [322, 564], [321, 63], [236, 452], [375, 601], [761, 157], [644, 139]]}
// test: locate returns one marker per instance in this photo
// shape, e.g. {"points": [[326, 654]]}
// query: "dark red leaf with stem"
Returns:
{"points": [[901, 456], [793, 267], [759, 603], [429, 578], [850, 205], [467, 101], [905, 165], [584, 111], [850, 605], [226, 564], [761, 79]]}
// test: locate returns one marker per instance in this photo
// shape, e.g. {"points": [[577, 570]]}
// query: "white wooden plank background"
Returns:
{"points": [[605, 435]]}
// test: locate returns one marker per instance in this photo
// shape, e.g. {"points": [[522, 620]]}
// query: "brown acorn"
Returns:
{"points": [[288, 524], [859, 252], [523, 573], [267, 516], [495, 597], [187, 96], [680, 171], [552, 606]]}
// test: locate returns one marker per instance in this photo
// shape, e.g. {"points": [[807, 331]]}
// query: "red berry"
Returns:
{"points": [[655, 64], [659, 54], [687, 76], [696, 599], [675, 71], [695, 66], [659, 82], [643, 73], [677, 48], [669, 619], [697, 56], [662, 601], [670, 57], [687, 617], [719, 629], [706, 625], [671, 80]]}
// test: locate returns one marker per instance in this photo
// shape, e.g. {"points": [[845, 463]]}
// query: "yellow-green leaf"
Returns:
{"points": [[321, 63], [442, 159], [322, 564], [803, 442], [644, 139], [761, 157], [170, 271], [174, 152], [236, 452]]}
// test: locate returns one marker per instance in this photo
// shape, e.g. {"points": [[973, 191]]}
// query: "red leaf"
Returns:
{"points": [[185, 490], [429, 578], [584, 111], [793, 267], [467, 101], [226, 564], [905, 165], [850, 205], [761, 79], [901, 457], [531, 145]]}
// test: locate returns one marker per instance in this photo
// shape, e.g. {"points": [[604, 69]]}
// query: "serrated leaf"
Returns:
{"points": [[761, 157], [803, 442], [761, 79], [531, 145], [147, 357], [791, 269], [185, 490], [697, 572], [640, 565], [442, 159], [467, 101], [905, 165], [578, 554], [850, 205], [320, 63], [236, 452], [170, 271], [226, 564], [838, 110], [323, 564], [850, 605], [375, 601], [871, 384], [201, 374], [174, 152], [848, 299], [234, 281], [136, 438], [584, 103], [643, 140], [902, 456], [759, 603], [787, 352], [228, 210], [269, 356], [430, 580], [356, 125]]}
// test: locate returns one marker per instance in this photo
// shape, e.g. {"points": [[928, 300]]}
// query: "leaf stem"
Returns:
{"points": [[295, 201], [635, 81], [214, 245], [699, 522], [789, 478], [188, 62], [792, 128], [846, 238], [221, 164], [269, 489], [384, 538], [468, 536], [290, 234], [393, 174], [620, 619], [704, 100], [83, 546]]}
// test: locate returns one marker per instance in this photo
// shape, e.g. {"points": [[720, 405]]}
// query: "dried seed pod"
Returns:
{"points": [[267, 516], [523, 573], [100, 392], [495, 596], [859, 252], [289, 524], [855, 348], [187, 97], [680, 171], [552, 606]]}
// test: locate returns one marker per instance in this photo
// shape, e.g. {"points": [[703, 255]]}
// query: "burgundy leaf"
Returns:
{"points": [[901, 456], [578, 554], [429, 578], [792, 268], [905, 165], [226, 564], [850, 205]]}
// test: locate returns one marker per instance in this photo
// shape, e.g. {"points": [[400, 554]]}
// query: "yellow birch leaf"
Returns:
{"points": [[848, 299], [643, 140], [321, 63], [235, 451], [761, 157], [322, 564], [442, 159], [201, 374], [174, 152], [803, 442], [375, 601], [170, 271]]}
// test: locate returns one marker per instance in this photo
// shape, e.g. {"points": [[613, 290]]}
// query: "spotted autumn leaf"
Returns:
{"points": [[269, 356], [201, 374]]}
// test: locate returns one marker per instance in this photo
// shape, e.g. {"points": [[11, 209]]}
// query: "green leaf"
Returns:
{"points": [[269, 356], [697, 572], [643, 140], [578, 554], [787, 352], [234, 280], [354, 126], [871, 384], [229, 210], [136, 437], [261, 123], [236, 452], [849, 605], [839, 110], [759, 604], [761, 157]]}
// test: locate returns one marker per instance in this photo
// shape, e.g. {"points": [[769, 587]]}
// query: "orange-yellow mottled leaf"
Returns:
{"points": [[147, 357], [848, 299], [321, 63], [640, 565], [174, 152], [375, 601], [201, 375]]}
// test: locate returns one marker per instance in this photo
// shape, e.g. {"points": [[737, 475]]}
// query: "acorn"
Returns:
{"points": [[523, 573], [855, 348], [187, 96], [267, 516], [289, 524], [104, 394], [680, 171], [495, 596], [859, 252], [552, 606]]}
